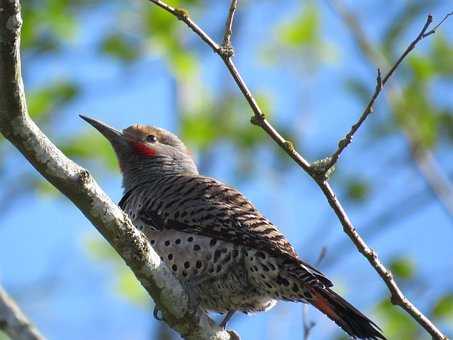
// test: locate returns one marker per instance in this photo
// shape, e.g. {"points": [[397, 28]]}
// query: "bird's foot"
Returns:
{"points": [[226, 319]]}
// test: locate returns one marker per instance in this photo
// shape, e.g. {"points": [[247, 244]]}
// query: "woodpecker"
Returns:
{"points": [[226, 254]]}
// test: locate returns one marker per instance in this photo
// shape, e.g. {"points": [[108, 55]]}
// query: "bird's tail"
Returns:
{"points": [[344, 314]]}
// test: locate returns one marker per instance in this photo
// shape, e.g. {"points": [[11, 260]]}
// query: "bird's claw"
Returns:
{"points": [[156, 314]]}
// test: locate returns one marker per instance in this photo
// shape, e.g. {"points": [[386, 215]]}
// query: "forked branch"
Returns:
{"points": [[320, 170], [380, 83]]}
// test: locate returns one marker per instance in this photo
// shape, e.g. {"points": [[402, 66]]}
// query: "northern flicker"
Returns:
{"points": [[226, 254]]}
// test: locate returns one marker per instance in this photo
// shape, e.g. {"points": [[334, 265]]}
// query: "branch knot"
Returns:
{"points": [[226, 51], [322, 169], [181, 14], [257, 119]]}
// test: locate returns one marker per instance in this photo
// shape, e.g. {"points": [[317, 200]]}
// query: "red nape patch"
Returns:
{"points": [[143, 149]]}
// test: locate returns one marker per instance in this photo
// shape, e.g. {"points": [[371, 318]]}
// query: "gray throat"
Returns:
{"points": [[145, 171]]}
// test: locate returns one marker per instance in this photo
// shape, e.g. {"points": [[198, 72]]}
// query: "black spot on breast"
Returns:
{"points": [[282, 281], [190, 239], [268, 285], [153, 241], [178, 241], [265, 268], [213, 242], [186, 264], [199, 264], [218, 269], [184, 273], [255, 268], [271, 265], [167, 243], [170, 257], [174, 267], [196, 247]]}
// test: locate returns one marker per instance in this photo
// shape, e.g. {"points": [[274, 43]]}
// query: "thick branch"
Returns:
{"points": [[14, 322], [78, 186], [319, 171]]}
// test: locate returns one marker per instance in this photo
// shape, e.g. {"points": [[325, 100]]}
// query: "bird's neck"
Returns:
{"points": [[137, 173]]}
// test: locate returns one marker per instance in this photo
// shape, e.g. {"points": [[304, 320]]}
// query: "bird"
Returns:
{"points": [[225, 253]]}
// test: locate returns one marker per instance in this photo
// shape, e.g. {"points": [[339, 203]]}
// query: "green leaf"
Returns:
{"points": [[443, 309], [397, 324], [3, 336], [45, 100], [120, 46], [81, 146], [99, 249], [441, 53], [357, 189], [184, 65], [403, 267], [422, 67], [129, 287], [304, 29]]}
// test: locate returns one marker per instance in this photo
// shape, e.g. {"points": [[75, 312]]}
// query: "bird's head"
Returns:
{"points": [[146, 151]]}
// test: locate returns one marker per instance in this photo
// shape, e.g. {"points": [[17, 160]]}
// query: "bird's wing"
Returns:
{"points": [[205, 206]]}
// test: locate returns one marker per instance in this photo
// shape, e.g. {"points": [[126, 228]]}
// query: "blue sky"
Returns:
{"points": [[44, 261]]}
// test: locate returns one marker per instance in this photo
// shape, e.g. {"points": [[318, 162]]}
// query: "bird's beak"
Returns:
{"points": [[113, 135]]}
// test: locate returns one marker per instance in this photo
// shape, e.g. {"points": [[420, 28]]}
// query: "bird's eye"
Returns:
{"points": [[151, 139]]}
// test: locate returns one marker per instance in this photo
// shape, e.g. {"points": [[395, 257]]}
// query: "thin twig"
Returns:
{"points": [[438, 25], [14, 322], [307, 324], [426, 163], [380, 83], [321, 256], [227, 45], [397, 297], [182, 15], [259, 117]]}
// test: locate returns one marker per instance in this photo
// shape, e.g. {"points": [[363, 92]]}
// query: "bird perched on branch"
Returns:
{"points": [[226, 254]]}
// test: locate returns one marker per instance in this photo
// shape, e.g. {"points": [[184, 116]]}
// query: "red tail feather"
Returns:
{"points": [[345, 315]]}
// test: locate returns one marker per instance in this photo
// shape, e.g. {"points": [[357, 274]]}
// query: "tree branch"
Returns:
{"points": [[227, 45], [427, 165], [380, 83], [319, 171], [14, 322], [77, 185]]}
